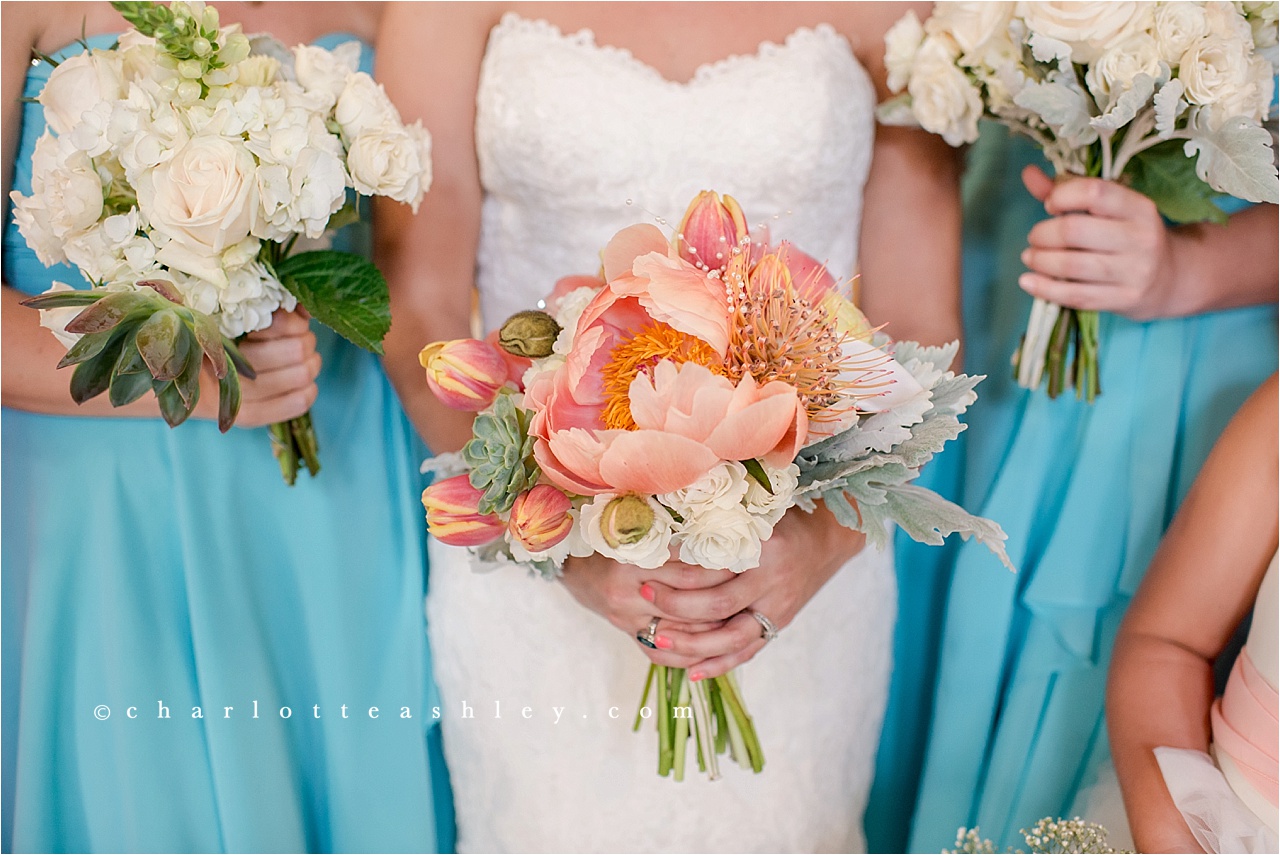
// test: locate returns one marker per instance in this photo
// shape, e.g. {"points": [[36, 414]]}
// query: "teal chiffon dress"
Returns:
{"points": [[1016, 727], [192, 651]]}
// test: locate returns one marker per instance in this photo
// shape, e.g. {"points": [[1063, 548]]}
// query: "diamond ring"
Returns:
{"points": [[768, 629]]}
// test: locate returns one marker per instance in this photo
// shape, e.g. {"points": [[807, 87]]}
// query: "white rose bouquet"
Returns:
{"points": [[1169, 97], [178, 171], [679, 404]]}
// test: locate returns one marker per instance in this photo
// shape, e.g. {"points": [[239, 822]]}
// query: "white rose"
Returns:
{"points": [[601, 530], [721, 538], [1262, 18], [901, 42], [78, 85], [980, 29], [363, 105], [203, 200], [1088, 28], [1227, 21], [1114, 72], [771, 506], [942, 98], [258, 71], [394, 161], [56, 320], [326, 71], [724, 486], [1179, 25], [1217, 74]]}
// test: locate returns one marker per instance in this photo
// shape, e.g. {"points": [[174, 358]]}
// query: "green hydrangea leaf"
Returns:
{"points": [[344, 292]]}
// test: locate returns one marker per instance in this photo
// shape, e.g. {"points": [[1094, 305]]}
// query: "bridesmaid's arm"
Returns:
{"points": [[1201, 584], [910, 241], [429, 59], [29, 377]]}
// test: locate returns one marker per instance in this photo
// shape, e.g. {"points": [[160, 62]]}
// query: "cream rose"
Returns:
{"points": [[980, 29], [78, 85], [942, 98], [1088, 28], [1177, 26], [724, 486], [325, 72], [363, 106], [203, 200], [1217, 74], [1115, 70], [771, 506], [722, 538], [393, 161]]}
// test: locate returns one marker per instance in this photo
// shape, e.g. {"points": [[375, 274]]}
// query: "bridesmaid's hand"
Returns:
{"points": [[284, 356], [1105, 248], [804, 552]]}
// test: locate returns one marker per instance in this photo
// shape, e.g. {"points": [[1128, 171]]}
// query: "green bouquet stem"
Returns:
{"points": [[712, 712], [295, 447]]}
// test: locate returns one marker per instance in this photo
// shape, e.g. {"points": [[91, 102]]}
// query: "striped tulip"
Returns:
{"points": [[540, 518], [465, 374], [711, 230], [453, 516]]}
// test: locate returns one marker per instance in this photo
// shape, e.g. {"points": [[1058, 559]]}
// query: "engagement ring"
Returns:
{"points": [[768, 630], [646, 637]]}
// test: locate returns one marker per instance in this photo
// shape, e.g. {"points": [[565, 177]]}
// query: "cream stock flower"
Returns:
{"points": [[326, 71], [901, 42]]}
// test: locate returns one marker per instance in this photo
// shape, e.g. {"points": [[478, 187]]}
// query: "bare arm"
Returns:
{"points": [[1201, 584], [429, 60], [910, 242]]}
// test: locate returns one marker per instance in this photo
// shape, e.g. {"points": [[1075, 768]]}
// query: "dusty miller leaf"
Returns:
{"points": [[1236, 158]]}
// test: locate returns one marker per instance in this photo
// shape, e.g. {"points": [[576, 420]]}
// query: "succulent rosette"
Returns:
{"points": [[680, 403], [183, 166], [1172, 98]]}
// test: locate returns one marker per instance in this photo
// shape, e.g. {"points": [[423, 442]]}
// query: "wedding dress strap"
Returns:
{"points": [[1245, 725]]}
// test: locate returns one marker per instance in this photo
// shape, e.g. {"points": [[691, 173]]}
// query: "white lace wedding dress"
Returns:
{"points": [[576, 141]]}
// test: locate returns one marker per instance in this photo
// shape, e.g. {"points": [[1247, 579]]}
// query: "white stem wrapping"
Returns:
{"points": [[1035, 347]]}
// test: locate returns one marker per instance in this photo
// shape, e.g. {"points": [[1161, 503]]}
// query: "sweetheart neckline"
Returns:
{"points": [[585, 38]]}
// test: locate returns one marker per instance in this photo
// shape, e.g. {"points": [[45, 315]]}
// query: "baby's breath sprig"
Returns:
{"points": [[1046, 836]]}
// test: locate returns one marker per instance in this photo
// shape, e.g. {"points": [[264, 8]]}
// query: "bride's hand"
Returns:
{"points": [[613, 591], [804, 552]]}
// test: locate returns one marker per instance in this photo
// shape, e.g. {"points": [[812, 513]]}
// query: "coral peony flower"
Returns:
{"points": [[540, 518], [688, 420], [465, 374], [453, 516]]}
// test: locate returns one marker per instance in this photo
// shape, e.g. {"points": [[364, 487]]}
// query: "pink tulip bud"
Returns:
{"points": [[540, 518], [711, 230], [465, 374], [453, 516]]}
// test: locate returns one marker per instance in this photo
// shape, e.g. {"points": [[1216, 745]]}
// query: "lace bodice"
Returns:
{"points": [[578, 140]]}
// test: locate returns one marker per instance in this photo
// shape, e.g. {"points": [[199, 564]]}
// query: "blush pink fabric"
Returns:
{"points": [[1247, 729]]}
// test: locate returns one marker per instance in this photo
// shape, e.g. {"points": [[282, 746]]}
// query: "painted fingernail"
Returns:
{"points": [[696, 676], [647, 592], [664, 643]]}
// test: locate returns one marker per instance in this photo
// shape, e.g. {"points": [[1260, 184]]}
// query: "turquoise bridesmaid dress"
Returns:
{"points": [[150, 574], [1085, 492]]}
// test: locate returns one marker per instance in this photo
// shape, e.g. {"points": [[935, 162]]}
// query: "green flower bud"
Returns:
{"points": [[235, 50], [626, 520], [201, 47], [192, 69], [531, 334]]}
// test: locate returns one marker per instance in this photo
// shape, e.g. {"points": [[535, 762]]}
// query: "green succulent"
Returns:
{"points": [[500, 455], [146, 339]]}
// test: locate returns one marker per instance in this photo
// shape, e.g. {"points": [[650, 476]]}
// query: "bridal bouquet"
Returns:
{"points": [[178, 172], [1169, 98], [679, 403]]}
